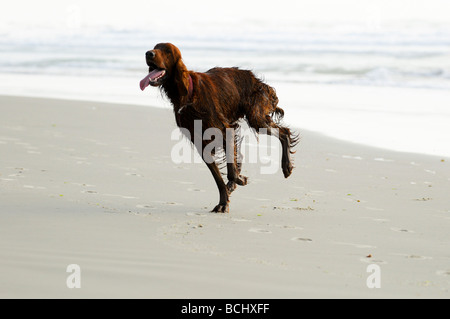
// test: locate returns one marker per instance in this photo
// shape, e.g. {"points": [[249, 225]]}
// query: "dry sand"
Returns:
{"points": [[93, 184]]}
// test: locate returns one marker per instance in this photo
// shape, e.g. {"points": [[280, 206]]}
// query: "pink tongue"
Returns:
{"points": [[146, 81]]}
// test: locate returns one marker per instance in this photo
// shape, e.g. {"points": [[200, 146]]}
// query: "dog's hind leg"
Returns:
{"points": [[287, 140], [265, 114], [284, 134]]}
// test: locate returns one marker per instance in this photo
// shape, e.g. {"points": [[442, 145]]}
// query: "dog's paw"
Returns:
{"points": [[242, 180], [231, 186], [221, 209], [287, 169]]}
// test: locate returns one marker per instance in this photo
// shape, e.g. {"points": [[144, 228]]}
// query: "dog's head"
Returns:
{"points": [[165, 64]]}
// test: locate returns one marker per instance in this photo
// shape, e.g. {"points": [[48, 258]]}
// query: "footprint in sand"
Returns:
{"points": [[356, 245], [82, 184], [415, 257], [144, 206], [380, 220], [240, 220], [302, 239], [443, 272], [16, 175], [129, 150], [354, 200], [259, 230], [167, 203], [401, 230], [89, 192], [134, 174], [32, 150], [83, 163], [380, 159], [173, 203], [352, 157], [196, 214], [289, 227], [185, 183], [34, 187], [196, 190], [19, 171], [121, 196], [372, 261]]}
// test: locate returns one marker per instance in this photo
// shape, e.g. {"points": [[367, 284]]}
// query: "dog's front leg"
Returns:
{"points": [[222, 207], [233, 167]]}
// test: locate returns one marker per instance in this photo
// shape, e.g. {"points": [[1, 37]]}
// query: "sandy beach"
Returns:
{"points": [[93, 184]]}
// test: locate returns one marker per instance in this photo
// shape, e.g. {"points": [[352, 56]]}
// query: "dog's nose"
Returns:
{"points": [[150, 54]]}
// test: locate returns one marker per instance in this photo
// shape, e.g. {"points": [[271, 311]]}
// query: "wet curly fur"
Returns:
{"points": [[219, 98]]}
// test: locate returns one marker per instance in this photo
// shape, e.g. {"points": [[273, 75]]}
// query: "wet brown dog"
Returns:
{"points": [[219, 98]]}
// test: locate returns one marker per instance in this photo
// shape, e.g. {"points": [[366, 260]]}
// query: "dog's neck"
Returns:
{"points": [[191, 88], [175, 97]]}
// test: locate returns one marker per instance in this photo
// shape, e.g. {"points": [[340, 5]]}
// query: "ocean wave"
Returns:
{"points": [[419, 59]]}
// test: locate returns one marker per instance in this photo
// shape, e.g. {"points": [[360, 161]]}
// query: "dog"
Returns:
{"points": [[219, 97]]}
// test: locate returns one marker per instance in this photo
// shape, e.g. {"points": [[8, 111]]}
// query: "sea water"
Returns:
{"points": [[381, 84]]}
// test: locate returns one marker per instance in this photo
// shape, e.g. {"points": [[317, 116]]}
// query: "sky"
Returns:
{"points": [[204, 13]]}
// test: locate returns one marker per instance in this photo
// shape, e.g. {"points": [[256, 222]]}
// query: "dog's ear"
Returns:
{"points": [[182, 78]]}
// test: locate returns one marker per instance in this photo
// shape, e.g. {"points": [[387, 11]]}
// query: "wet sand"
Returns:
{"points": [[94, 184]]}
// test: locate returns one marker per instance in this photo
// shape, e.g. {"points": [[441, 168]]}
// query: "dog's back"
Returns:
{"points": [[235, 93]]}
